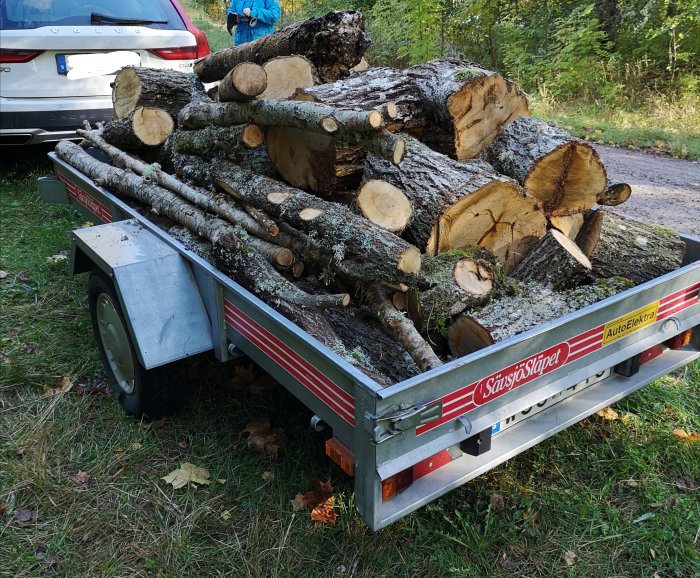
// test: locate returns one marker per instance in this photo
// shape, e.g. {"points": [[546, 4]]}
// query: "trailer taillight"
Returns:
{"points": [[396, 484], [680, 340], [341, 456]]}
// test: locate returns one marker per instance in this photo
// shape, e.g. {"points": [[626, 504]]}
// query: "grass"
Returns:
{"points": [[602, 498]]}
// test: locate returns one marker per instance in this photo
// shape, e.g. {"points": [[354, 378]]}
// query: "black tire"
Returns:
{"points": [[143, 393]]}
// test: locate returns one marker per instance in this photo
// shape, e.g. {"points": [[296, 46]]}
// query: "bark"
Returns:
{"points": [[555, 260], [334, 43], [217, 141], [457, 204], [142, 129], [344, 233], [154, 87], [305, 115], [375, 89], [286, 74], [619, 246], [467, 105], [531, 304], [614, 194], [243, 82], [323, 163], [565, 174]]}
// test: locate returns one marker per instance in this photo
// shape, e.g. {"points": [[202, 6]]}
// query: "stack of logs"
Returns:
{"points": [[421, 211]]}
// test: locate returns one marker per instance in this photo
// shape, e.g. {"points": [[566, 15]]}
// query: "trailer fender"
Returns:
{"points": [[157, 291]]}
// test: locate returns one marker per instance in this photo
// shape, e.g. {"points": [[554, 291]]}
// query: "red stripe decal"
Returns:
{"points": [[341, 402], [87, 201], [518, 374]]}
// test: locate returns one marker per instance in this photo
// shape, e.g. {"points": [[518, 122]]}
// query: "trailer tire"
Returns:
{"points": [[149, 393]]}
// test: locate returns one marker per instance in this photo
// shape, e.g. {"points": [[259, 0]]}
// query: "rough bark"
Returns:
{"points": [[618, 246], [286, 74], [334, 43], [555, 260], [375, 89], [142, 129], [467, 105], [154, 87], [243, 82], [457, 204], [565, 174], [217, 141], [305, 115], [344, 233], [531, 304]]}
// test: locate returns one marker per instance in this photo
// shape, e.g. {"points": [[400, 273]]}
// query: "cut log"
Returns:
{"points": [[310, 116], [334, 43], [244, 82], [217, 141], [168, 90], [467, 104], [141, 129], [531, 305], [343, 232], [325, 164], [569, 225], [375, 89], [615, 194], [286, 74], [459, 204], [564, 173], [618, 246], [555, 260], [384, 204]]}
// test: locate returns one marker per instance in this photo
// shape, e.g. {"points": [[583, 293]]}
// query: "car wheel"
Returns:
{"points": [[143, 393]]}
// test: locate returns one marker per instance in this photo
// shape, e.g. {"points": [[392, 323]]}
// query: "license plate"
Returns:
{"points": [[79, 66], [548, 402]]}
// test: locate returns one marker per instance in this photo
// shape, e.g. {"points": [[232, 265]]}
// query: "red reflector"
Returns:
{"points": [[179, 53], [12, 56], [431, 464], [651, 353], [396, 484], [680, 340], [341, 456]]}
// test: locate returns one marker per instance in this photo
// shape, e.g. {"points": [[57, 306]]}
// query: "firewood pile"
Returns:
{"points": [[402, 218]]}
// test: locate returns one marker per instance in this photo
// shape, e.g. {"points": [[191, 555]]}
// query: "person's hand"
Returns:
{"points": [[246, 11]]}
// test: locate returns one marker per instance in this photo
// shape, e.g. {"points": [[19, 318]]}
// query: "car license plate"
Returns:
{"points": [[78, 66], [548, 402]]}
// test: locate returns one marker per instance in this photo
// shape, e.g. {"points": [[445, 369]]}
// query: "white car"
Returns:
{"points": [[59, 57]]}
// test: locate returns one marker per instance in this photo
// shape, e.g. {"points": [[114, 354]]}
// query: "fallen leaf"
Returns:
{"points": [[325, 512], [497, 502], [225, 515], [569, 558], [221, 481], [298, 503], [81, 478], [58, 258], [685, 436], [508, 564], [135, 446], [187, 474], [653, 553], [63, 385], [42, 554], [319, 500], [3, 274], [268, 476], [245, 374], [644, 518], [686, 484], [118, 450], [3, 508], [608, 414], [263, 439], [183, 444], [667, 504], [25, 517]]}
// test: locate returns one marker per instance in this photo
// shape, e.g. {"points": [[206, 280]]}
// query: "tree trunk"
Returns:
{"points": [[140, 130], [569, 224], [458, 204], [342, 232], [565, 174], [555, 260], [614, 194], [244, 82], [154, 87], [305, 115], [531, 304], [618, 246], [286, 74], [467, 104], [374, 89], [217, 141], [334, 43]]}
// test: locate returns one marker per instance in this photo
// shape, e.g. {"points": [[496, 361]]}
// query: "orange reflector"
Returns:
{"points": [[341, 456], [680, 340], [396, 484]]}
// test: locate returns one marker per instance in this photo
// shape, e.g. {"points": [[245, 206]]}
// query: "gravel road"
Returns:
{"points": [[665, 191]]}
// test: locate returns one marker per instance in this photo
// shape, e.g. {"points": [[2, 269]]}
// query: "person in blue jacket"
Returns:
{"points": [[252, 19]]}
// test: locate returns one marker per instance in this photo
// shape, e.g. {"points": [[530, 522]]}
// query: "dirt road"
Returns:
{"points": [[665, 191]]}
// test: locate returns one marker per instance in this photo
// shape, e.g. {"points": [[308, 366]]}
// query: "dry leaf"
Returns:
{"points": [[262, 439], [319, 500], [685, 436], [569, 557], [135, 446], [608, 414], [58, 258], [25, 517], [81, 478], [268, 476], [183, 444], [226, 515], [187, 474], [497, 502], [3, 274], [118, 450], [64, 385], [325, 512], [221, 481], [298, 503]]}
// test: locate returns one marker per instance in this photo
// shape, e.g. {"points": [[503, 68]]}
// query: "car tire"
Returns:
{"points": [[144, 393]]}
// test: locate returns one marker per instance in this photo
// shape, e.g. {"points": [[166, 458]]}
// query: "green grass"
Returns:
{"points": [[620, 495]]}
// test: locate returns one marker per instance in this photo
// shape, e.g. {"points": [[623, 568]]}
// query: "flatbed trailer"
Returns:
{"points": [[414, 441]]}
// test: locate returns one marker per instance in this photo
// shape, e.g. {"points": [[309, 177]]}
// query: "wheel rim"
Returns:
{"points": [[115, 342]]}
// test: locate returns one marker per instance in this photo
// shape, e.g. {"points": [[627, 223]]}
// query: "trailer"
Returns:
{"points": [[154, 303]]}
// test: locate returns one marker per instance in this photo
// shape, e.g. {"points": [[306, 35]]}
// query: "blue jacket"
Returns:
{"points": [[267, 13]]}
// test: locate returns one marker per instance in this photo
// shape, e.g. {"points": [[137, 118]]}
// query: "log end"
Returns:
{"points": [[399, 151], [247, 78], [287, 76], [465, 335], [615, 194], [152, 125], [384, 205], [569, 225], [126, 92], [410, 261], [252, 136], [472, 279]]}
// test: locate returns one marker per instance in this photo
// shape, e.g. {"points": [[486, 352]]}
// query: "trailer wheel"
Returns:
{"points": [[143, 393]]}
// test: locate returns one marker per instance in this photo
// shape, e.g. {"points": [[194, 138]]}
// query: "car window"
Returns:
{"points": [[24, 14]]}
